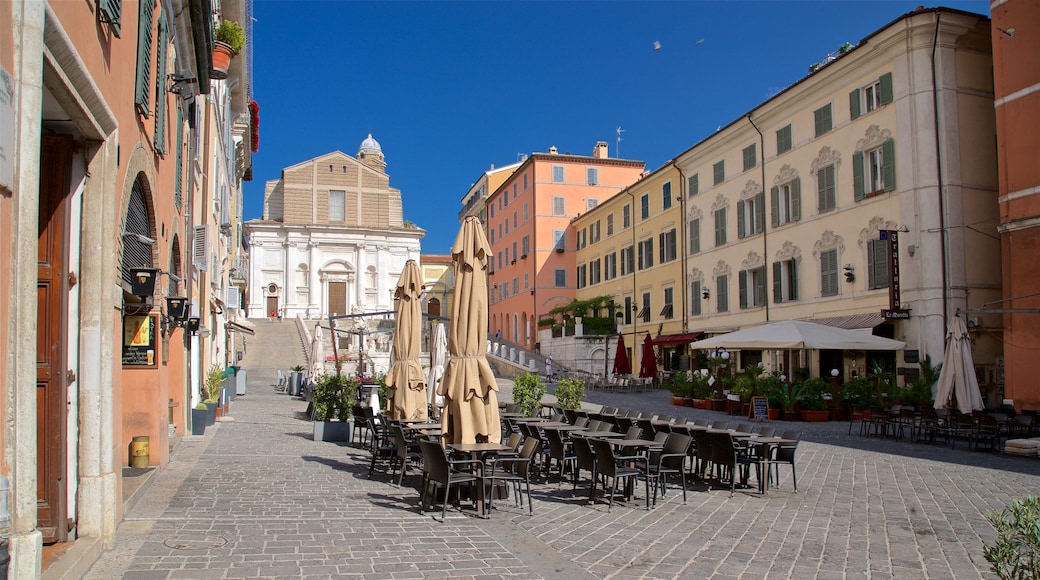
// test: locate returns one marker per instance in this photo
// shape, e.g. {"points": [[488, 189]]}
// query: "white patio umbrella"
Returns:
{"points": [[406, 379], [798, 334], [317, 358], [438, 358], [957, 377]]}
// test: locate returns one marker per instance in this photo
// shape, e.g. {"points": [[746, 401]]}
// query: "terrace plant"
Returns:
{"points": [[528, 390], [569, 393], [1016, 552]]}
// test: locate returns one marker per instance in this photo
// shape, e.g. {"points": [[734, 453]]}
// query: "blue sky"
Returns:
{"points": [[450, 88]]}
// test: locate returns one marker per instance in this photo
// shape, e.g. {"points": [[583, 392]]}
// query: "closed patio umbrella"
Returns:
{"points": [[438, 358], [648, 364], [957, 377], [406, 379], [468, 386], [622, 366]]}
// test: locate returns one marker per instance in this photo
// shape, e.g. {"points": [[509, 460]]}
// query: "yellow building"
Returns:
{"points": [[438, 283]]}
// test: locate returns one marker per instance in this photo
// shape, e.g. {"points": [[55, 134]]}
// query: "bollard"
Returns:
{"points": [[139, 452]]}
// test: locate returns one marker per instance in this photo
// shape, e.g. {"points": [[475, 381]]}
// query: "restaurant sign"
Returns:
{"points": [[902, 313]]}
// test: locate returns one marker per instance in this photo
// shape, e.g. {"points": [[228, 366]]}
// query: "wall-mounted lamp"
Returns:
{"points": [[911, 250], [850, 274], [705, 294], [192, 324], [142, 281]]}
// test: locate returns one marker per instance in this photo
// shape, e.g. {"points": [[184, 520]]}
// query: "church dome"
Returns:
{"points": [[370, 145]]}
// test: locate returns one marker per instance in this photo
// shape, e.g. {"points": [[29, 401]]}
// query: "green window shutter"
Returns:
{"points": [[660, 248], [178, 179], [760, 212], [888, 167], [796, 199], [774, 198], [886, 88], [760, 286], [854, 104], [778, 283], [160, 88], [857, 175], [695, 300], [743, 289], [143, 85], [793, 282], [740, 219], [111, 13], [695, 236], [693, 184]]}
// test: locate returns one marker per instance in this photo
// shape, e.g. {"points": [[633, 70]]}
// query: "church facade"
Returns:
{"points": [[332, 239]]}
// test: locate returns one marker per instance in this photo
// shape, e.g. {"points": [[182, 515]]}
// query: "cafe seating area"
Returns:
{"points": [[991, 431]]}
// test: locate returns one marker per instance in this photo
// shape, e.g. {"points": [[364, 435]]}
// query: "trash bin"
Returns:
{"points": [[229, 382], [240, 381]]}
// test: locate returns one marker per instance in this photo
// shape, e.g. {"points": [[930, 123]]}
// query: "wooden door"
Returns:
{"points": [[433, 307], [337, 298], [52, 271], [272, 306]]}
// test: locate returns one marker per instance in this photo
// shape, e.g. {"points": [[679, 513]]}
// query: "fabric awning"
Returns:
{"points": [[670, 339], [852, 321], [233, 326]]}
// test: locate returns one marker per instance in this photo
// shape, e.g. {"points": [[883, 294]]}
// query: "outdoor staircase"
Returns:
{"points": [[276, 345]]}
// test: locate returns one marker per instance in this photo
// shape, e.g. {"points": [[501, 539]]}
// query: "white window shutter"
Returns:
{"points": [[200, 248], [233, 298]]}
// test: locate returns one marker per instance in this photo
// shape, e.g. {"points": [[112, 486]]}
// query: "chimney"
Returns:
{"points": [[600, 151], [552, 150]]}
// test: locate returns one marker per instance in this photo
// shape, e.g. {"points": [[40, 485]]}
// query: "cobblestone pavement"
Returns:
{"points": [[257, 498]]}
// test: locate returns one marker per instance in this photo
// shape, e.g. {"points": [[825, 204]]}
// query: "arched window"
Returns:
{"points": [[137, 238], [433, 307], [516, 329]]}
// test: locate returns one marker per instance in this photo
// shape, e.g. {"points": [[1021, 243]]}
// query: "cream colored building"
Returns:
{"points": [[786, 206], [474, 203], [332, 240]]}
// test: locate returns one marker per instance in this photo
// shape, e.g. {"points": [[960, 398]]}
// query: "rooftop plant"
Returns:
{"points": [[231, 34]]}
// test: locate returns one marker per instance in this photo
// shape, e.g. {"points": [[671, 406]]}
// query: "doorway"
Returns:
{"points": [[337, 298], [272, 306]]}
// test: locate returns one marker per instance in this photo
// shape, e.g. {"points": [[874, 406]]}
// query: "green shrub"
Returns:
{"points": [[810, 394], [699, 388], [232, 34], [334, 397], [679, 384], [528, 390], [214, 383], [569, 393], [782, 396], [1016, 553]]}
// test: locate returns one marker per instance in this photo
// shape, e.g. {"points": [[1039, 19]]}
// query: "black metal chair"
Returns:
{"points": [[439, 471], [383, 447], [584, 458], [514, 470], [407, 454], [785, 455], [617, 467], [671, 460]]}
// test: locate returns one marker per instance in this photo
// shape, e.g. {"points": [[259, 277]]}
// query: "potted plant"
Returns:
{"points": [[700, 391], [747, 385], [228, 40], [810, 394], [722, 387], [332, 407], [783, 397], [680, 386], [569, 393], [295, 380], [767, 386], [214, 387], [528, 390], [198, 419]]}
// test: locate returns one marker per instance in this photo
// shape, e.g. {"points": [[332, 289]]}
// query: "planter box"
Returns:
{"points": [[333, 431], [774, 414], [815, 415], [211, 413], [677, 401], [718, 405], [198, 421]]}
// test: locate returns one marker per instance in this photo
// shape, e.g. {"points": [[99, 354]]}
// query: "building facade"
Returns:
{"points": [[474, 203], [533, 265]]}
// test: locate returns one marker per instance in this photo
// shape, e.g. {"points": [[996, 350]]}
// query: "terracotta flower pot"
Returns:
{"points": [[774, 414], [222, 55], [677, 401], [815, 415]]}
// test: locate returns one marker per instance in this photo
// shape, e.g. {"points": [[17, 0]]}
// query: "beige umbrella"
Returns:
{"points": [[438, 358], [317, 353], [406, 380], [957, 377], [468, 386]]}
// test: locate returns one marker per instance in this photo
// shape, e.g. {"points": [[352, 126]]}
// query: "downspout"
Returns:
{"points": [[765, 239], [682, 244], [635, 320], [939, 177]]}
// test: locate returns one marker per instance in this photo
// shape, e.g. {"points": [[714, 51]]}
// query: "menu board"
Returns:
{"points": [[759, 408], [139, 341]]}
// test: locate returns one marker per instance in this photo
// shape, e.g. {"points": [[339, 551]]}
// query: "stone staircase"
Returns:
{"points": [[276, 345]]}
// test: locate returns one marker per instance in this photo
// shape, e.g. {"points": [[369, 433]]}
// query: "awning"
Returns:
{"points": [[233, 326], [852, 321], [670, 339]]}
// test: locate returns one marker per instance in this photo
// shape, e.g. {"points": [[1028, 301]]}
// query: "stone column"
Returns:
{"points": [[316, 303]]}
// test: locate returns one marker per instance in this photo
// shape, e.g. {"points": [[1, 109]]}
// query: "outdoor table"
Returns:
{"points": [[412, 421], [532, 420], [598, 434], [512, 415]]}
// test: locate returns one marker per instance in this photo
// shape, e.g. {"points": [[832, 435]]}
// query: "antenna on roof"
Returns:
{"points": [[619, 132], [521, 157]]}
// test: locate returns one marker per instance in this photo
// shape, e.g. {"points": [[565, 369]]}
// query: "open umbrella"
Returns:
{"points": [[798, 334], [317, 358], [622, 366], [957, 377], [468, 386], [438, 358], [648, 364], [406, 380]]}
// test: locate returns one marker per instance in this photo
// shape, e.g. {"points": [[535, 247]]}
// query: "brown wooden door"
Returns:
{"points": [[337, 298], [272, 306], [52, 271], [433, 307]]}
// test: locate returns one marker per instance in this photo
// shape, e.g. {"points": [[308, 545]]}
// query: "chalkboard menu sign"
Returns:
{"points": [[759, 408], [139, 341]]}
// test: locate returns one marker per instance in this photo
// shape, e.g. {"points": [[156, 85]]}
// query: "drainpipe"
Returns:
{"points": [[635, 320], [939, 178], [765, 239], [682, 244]]}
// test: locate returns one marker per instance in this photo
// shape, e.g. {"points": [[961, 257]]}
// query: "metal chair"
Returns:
{"points": [[516, 470], [616, 467], [438, 470]]}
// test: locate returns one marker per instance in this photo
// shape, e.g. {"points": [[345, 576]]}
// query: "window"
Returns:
{"points": [[525, 213], [516, 286], [695, 298], [505, 198], [557, 174], [786, 202], [610, 266], [666, 195], [337, 206], [579, 239], [111, 12], [822, 118], [783, 140], [559, 240], [581, 271], [693, 184], [752, 287], [492, 235], [751, 214], [507, 254], [644, 312], [646, 254], [515, 221], [628, 310], [719, 172], [720, 226], [644, 206], [592, 176], [559, 205], [829, 273], [515, 255], [866, 99], [626, 216], [525, 182], [499, 256], [560, 278], [874, 171], [500, 230], [694, 235], [594, 230], [160, 86], [595, 271], [527, 280], [668, 311], [143, 80], [514, 190], [722, 294], [591, 203], [491, 207], [627, 261], [785, 281], [506, 223], [877, 264], [667, 246], [525, 246], [750, 160], [610, 224], [826, 194]]}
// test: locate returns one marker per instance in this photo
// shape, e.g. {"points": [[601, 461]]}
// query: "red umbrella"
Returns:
{"points": [[648, 366], [622, 366]]}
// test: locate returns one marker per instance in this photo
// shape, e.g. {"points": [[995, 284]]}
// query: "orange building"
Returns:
{"points": [[533, 246], [1016, 77]]}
